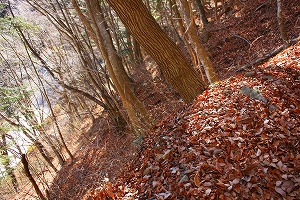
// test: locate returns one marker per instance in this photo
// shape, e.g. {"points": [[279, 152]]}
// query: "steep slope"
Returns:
{"points": [[234, 41], [239, 140]]}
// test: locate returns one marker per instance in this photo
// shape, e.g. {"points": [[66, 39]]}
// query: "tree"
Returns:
{"points": [[11, 111], [4, 157], [94, 74], [173, 65], [30, 177], [136, 111], [201, 52], [281, 23]]}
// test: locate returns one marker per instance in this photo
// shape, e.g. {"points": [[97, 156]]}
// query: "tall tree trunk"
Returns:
{"points": [[30, 177], [203, 19], [115, 59], [201, 52], [112, 107], [216, 10], [181, 31], [202, 12], [137, 51], [174, 66]]}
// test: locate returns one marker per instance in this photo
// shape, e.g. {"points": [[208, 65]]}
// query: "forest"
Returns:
{"points": [[149, 99]]}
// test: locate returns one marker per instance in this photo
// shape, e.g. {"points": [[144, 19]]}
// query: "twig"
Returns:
{"points": [[234, 35], [260, 6], [254, 41]]}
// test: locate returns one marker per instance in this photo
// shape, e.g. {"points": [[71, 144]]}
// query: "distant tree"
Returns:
{"points": [[13, 112], [5, 159]]}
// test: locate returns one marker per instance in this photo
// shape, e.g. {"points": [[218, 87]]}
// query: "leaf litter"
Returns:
{"points": [[238, 140]]}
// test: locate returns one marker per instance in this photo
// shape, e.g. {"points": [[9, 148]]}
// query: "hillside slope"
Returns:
{"points": [[211, 148], [239, 140]]}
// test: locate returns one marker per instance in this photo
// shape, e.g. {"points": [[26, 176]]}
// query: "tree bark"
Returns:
{"points": [[173, 65], [181, 28], [138, 56], [202, 12], [281, 23], [115, 59], [201, 52], [203, 19]]}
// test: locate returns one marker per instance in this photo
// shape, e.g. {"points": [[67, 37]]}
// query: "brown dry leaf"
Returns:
{"points": [[288, 186], [280, 191], [207, 192], [197, 180]]}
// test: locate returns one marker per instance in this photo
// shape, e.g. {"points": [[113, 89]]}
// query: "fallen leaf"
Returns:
{"points": [[280, 191], [197, 180], [207, 192], [288, 186]]}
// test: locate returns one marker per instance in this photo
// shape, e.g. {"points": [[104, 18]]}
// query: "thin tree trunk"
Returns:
{"points": [[202, 12], [42, 151], [53, 114], [30, 177], [216, 10], [128, 98], [115, 59], [181, 31], [58, 129], [130, 46], [281, 23], [42, 132], [52, 146], [201, 52], [138, 56], [203, 19], [45, 65]]}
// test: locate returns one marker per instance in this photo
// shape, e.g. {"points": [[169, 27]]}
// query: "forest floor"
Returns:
{"points": [[238, 140]]}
